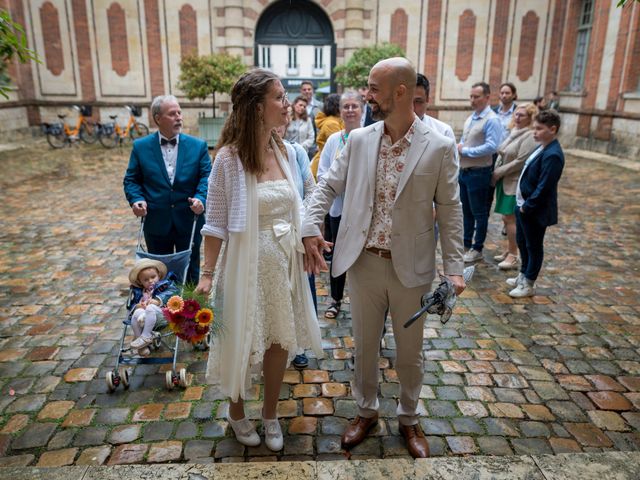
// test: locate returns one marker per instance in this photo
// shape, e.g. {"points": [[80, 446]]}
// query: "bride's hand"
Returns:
{"points": [[204, 285]]}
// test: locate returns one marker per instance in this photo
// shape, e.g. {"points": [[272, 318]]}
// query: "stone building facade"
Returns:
{"points": [[113, 52]]}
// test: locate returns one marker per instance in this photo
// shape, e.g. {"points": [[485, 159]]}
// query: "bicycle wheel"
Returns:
{"points": [[88, 132], [138, 130], [108, 139], [57, 139]]}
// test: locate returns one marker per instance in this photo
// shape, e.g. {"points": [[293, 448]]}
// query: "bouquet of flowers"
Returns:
{"points": [[189, 316]]}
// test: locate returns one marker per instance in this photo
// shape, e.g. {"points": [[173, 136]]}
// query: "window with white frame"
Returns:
{"points": [[293, 58], [317, 63], [582, 45], [265, 57]]}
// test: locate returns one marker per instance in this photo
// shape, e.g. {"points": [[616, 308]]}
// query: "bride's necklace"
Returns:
{"points": [[267, 150]]}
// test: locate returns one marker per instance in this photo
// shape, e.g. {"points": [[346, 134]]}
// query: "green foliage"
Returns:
{"points": [[13, 43], [206, 75], [621, 3], [355, 72]]}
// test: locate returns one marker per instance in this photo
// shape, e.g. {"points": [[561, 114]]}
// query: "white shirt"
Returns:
{"points": [[332, 148], [169, 155], [440, 127], [505, 118], [536, 152]]}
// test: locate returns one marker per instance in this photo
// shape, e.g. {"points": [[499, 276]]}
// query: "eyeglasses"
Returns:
{"points": [[349, 106]]}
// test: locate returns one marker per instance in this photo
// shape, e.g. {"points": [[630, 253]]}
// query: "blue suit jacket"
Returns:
{"points": [[539, 185], [147, 179]]}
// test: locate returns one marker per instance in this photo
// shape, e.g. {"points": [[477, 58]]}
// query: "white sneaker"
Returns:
{"points": [[245, 432], [472, 256], [514, 281], [272, 434], [523, 289]]}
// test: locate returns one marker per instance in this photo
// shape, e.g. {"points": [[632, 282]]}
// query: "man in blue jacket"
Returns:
{"points": [[166, 182], [537, 201]]}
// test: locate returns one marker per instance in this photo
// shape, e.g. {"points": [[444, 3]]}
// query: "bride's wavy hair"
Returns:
{"points": [[242, 129]]}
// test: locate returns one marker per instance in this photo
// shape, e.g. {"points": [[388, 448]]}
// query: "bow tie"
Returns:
{"points": [[172, 142]]}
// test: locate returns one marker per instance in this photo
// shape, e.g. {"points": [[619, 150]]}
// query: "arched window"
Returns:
{"points": [[295, 40]]}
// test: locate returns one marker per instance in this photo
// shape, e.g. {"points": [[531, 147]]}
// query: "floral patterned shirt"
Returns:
{"points": [[391, 161]]}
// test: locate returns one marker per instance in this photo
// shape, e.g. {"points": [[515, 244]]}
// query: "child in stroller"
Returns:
{"points": [[151, 287]]}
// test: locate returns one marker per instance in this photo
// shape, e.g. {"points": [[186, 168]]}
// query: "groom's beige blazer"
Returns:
{"points": [[430, 177]]}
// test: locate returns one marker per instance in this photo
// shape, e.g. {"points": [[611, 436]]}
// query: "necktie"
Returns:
{"points": [[164, 141]]}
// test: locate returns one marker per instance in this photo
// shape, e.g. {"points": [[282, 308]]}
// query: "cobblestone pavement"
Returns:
{"points": [[556, 373]]}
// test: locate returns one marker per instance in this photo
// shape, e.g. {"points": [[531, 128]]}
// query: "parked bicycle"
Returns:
{"points": [[112, 135], [61, 134]]}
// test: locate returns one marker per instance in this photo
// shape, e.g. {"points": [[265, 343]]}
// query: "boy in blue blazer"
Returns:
{"points": [[166, 182], [537, 201]]}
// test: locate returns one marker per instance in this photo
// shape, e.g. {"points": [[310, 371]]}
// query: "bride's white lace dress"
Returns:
{"points": [[276, 312]]}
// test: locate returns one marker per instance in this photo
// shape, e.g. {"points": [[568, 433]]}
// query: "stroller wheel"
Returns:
{"points": [[182, 381], [124, 376], [168, 380], [113, 380]]}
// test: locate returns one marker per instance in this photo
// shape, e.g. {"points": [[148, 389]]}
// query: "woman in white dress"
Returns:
{"points": [[262, 297]]}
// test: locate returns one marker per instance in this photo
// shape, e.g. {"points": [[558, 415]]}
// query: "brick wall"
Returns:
{"points": [[466, 41], [53, 58], [188, 31], [434, 15], [528, 41], [399, 21], [154, 47], [85, 61], [498, 47], [118, 39]]}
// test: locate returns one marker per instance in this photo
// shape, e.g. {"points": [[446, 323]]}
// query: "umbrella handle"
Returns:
{"points": [[415, 317]]}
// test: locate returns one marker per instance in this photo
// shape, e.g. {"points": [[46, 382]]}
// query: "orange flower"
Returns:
{"points": [[204, 316], [175, 304]]}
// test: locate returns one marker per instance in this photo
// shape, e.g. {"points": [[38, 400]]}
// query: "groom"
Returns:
{"points": [[391, 174]]}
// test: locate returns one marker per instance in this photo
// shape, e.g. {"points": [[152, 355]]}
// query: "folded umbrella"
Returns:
{"points": [[442, 300]]}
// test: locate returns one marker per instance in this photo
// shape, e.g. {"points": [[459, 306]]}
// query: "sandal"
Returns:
{"points": [[509, 263], [333, 310]]}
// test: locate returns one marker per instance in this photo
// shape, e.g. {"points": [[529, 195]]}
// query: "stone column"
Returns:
{"points": [[232, 33], [353, 27]]}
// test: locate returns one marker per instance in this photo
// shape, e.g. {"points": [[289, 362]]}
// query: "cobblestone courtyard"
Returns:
{"points": [[556, 373]]}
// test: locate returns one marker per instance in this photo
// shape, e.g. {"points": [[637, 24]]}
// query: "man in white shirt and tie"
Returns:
{"points": [[166, 182]]}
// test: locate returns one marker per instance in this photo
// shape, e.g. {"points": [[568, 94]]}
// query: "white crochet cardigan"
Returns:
{"points": [[227, 197]]}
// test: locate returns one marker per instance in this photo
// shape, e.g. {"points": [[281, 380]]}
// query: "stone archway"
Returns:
{"points": [[296, 41]]}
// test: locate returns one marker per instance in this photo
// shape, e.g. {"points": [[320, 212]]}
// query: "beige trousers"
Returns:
{"points": [[374, 287]]}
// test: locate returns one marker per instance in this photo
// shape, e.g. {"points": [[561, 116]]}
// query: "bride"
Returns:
{"points": [[262, 297]]}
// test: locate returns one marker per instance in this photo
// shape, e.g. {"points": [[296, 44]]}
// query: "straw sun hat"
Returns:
{"points": [[144, 264]]}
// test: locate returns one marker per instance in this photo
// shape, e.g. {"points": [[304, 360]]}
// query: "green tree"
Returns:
{"points": [[206, 75], [13, 43], [355, 72]]}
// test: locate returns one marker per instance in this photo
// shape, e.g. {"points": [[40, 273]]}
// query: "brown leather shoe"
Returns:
{"points": [[416, 441], [357, 431]]}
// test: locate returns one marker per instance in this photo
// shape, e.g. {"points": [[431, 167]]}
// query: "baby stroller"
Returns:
{"points": [[178, 263]]}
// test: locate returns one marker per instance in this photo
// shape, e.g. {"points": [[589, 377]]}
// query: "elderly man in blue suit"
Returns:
{"points": [[166, 182]]}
